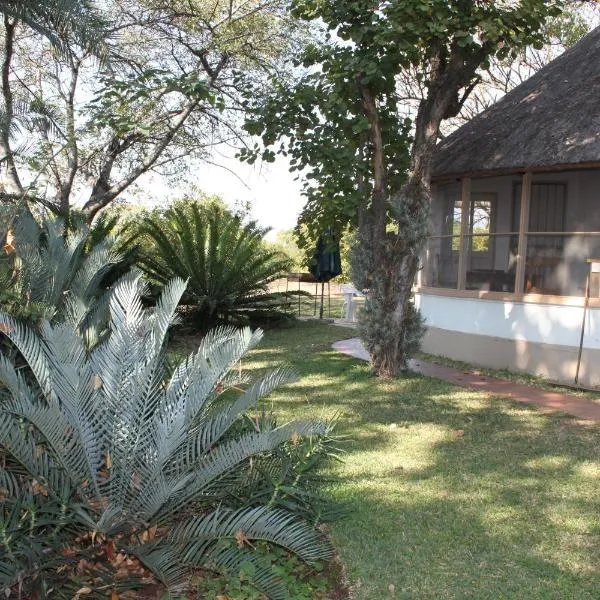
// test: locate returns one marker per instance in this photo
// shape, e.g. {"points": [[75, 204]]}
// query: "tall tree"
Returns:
{"points": [[361, 155], [166, 92], [58, 22], [577, 18]]}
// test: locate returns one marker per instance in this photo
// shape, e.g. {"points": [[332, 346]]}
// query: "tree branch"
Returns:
{"points": [[72, 148], [14, 184], [380, 191], [103, 192]]}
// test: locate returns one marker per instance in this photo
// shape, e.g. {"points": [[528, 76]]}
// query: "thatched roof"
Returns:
{"points": [[550, 120]]}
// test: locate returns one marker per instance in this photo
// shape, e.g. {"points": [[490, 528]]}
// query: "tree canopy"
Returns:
{"points": [[165, 92], [345, 123]]}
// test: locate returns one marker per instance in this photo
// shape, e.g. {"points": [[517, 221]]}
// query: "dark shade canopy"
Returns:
{"points": [[550, 120]]}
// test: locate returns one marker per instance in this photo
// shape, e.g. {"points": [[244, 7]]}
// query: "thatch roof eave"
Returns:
{"points": [[551, 120], [516, 171]]}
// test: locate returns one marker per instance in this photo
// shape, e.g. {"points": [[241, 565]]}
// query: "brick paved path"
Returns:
{"points": [[578, 407]]}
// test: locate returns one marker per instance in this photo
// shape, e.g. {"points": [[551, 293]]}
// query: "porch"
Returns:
{"points": [[506, 270]]}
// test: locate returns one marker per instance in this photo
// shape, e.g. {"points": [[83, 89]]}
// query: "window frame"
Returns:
{"points": [[467, 236]]}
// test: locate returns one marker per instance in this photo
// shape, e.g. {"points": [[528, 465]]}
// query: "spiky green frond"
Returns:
{"points": [[260, 523], [116, 444], [203, 540], [228, 266], [57, 270]]}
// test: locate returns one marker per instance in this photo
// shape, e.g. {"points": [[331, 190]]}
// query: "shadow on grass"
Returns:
{"points": [[444, 548], [453, 494]]}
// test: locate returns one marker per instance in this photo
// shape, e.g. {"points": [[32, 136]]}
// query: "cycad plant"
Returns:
{"points": [[56, 20], [227, 264], [111, 459], [55, 273]]}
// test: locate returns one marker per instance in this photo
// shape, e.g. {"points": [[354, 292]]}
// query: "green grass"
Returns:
{"points": [[452, 494], [332, 307]]}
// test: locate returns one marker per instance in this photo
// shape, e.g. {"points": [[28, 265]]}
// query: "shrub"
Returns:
{"points": [[226, 263], [51, 272], [118, 473]]}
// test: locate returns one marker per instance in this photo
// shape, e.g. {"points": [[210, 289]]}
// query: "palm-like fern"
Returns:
{"points": [[57, 20], [52, 272], [226, 262], [118, 446]]}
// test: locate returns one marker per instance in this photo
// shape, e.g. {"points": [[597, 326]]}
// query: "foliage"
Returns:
{"points": [[54, 272], [285, 243], [167, 90], [377, 325], [369, 166], [113, 462], [226, 262], [328, 139], [291, 478], [302, 582], [347, 242], [519, 490], [59, 19], [571, 25]]}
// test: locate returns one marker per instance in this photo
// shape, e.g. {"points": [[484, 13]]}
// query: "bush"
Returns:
{"points": [[51, 272], [226, 263], [118, 473]]}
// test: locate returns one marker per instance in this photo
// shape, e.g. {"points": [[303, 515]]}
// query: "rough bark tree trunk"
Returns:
{"points": [[12, 181], [391, 327]]}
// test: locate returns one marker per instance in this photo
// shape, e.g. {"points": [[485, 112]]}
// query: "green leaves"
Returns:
{"points": [[127, 105], [56, 272], [60, 20], [320, 125], [109, 442], [225, 261], [319, 119]]}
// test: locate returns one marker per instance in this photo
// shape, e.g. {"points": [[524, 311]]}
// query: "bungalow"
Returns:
{"points": [[515, 226]]}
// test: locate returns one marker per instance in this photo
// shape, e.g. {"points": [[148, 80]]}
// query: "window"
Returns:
{"points": [[443, 249], [561, 233], [481, 222], [544, 262]]}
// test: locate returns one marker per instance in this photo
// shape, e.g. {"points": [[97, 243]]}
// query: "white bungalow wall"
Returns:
{"points": [[541, 339], [555, 324]]}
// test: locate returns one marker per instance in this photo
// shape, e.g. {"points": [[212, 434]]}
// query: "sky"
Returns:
{"points": [[272, 191]]}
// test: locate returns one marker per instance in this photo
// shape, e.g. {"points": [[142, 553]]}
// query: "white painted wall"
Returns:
{"points": [[538, 323]]}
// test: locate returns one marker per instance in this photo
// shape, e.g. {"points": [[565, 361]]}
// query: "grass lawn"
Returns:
{"points": [[332, 307], [452, 494]]}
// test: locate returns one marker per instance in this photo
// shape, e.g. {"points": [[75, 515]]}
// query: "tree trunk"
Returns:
{"points": [[13, 183], [391, 327]]}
